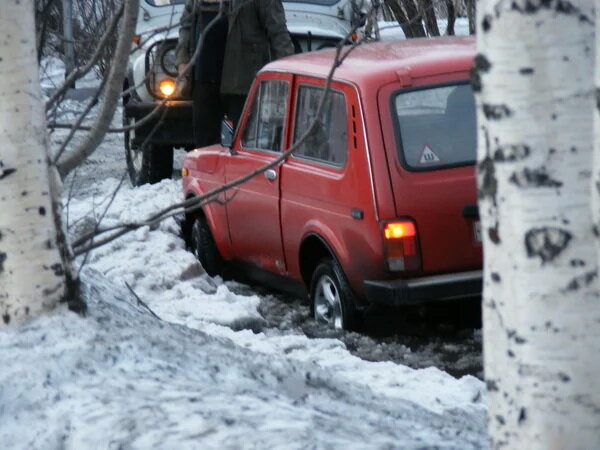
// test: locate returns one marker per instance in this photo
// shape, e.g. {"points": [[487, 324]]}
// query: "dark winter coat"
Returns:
{"points": [[257, 34], [195, 17]]}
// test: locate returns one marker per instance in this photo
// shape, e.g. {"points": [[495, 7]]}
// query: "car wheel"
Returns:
{"points": [[332, 299], [149, 164], [204, 247]]}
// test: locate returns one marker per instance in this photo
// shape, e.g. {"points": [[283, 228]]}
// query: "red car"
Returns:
{"points": [[377, 205]]}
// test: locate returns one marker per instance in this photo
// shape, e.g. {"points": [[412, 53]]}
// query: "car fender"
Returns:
{"points": [[215, 215], [330, 239]]}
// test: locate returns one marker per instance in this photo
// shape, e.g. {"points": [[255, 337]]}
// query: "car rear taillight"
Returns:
{"points": [[401, 245]]}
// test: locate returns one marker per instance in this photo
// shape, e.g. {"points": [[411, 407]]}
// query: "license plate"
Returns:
{"points": [[477, 230]]}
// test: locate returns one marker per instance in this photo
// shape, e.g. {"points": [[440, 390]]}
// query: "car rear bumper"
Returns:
{"points": [[172, 128], [426, 289]]}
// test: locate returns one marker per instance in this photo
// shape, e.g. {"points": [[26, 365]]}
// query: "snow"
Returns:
{"points": [[182, 367]]}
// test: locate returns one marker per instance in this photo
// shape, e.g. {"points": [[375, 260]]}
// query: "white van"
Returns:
{"points": [[313, 25]]}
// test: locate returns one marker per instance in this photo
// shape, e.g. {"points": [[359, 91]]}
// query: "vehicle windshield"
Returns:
{"points": [[436, 126], [165, 2]]}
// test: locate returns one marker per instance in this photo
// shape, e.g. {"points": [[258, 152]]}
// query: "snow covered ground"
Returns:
{"points": [[190, 361]]}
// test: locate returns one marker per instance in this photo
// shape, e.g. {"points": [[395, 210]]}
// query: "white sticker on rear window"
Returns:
{"points": [[428, 156]]}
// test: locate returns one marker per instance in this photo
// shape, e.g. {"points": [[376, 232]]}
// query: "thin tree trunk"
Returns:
{"points": [[428, 12], [32, 270], [471, 14], [415, 21], [541, 313], [400, 17], [451, 17]]}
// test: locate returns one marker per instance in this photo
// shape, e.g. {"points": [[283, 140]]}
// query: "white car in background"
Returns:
{"points": [[313, 25]]}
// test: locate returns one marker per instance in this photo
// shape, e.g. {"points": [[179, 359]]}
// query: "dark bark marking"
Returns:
{"points": [[42, 211], [486, 23], [24, 193], [577, 263], [496, 278], [494, 234], [491, 386], [480, 65], [500, 419], [6, 318], [489, 185], [558, 6], [510, 354], [596, 231], [564, 377], [496, 112], [512, 335], [58, 269], [2, 259], [546, 242], [526, 71], [598, 99], [582, 281], [522, 415], [515, 152], [534, 178], [5, 172]]}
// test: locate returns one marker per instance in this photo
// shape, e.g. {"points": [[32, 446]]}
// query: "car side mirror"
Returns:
{"points": [[226, 132]]}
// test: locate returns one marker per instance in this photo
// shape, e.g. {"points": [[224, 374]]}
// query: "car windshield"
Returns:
{"points": [[436, 126], [165, 2]]}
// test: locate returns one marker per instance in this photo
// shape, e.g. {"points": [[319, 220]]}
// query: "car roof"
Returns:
{"points": [[411, 57]]}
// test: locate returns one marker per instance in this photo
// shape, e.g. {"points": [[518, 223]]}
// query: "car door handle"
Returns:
{"points": [[270, 174]]}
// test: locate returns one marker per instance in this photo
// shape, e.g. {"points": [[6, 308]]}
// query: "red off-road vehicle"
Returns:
{"points": [[378, 205]]}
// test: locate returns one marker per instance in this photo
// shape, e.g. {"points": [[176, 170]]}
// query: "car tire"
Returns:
{"points": [[205, 249], [332, 300], [149, 164]]}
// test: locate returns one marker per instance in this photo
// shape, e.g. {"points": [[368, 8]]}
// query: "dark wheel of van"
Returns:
{"points": [[151, 164], [204, 247], [331, 297]]}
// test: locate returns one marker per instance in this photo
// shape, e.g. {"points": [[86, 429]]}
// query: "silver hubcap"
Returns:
{"points": [[328, 305]]}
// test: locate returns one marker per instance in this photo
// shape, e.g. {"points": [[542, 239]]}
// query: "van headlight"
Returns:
{"points": [[166, 87], [167, 61]]}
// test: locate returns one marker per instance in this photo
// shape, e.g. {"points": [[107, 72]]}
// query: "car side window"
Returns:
{"points": [[264, 128], [328, 139]]}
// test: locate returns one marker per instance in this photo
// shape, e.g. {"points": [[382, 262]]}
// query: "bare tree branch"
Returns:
{"points": [[81, 71], [112, 94]]}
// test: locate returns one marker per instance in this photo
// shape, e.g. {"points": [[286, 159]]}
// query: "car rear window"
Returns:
{"points": [[436, 126]]}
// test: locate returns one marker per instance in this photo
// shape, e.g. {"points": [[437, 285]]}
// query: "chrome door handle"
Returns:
{"points": [[270, 174]]}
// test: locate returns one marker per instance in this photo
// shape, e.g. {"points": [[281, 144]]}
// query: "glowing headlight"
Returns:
{"points": [[166, 87]]}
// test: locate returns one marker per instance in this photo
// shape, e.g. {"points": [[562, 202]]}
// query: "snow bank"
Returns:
{"points": [[121, 378]]}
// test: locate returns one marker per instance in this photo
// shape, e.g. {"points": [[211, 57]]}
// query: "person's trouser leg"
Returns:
{"points": [[234, 104], [208, 113]]}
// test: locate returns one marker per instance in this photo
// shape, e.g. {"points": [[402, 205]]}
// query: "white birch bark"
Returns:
{"points": [[32, 273], [541, 308]]}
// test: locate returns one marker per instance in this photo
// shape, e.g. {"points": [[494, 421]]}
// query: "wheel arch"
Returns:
{"points": [[312, 250]]}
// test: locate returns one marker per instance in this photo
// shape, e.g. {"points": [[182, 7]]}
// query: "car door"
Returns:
{"points": [[253, 208]]}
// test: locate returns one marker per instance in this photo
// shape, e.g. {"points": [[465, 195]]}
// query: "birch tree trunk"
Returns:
{"points": [[541, 311], [32, 270]]}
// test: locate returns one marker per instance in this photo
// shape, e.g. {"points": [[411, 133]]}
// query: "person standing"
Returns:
{"points": [[257, 35], [205, 76]]}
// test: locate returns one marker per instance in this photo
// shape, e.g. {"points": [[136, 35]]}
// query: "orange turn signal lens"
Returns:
{"points": [[185, 172], [399, 230], [166, 87], [136, 39]]}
